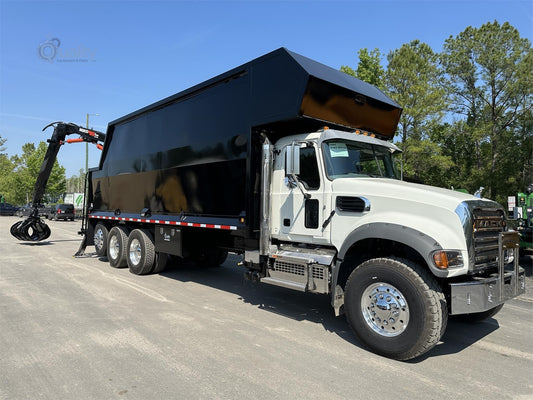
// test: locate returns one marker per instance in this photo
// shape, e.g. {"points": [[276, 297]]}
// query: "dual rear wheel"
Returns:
{"points": [[134, 249], [140, 252]]}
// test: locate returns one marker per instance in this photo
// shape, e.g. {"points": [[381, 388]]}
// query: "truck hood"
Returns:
{"points": [[401, 190]]}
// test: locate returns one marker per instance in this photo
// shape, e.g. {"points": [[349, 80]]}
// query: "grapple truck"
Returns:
{"points": [[291, 164]]}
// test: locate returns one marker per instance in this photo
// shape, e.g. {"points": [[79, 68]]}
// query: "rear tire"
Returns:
{"points": [[141, 253], [100, 239], [161, 261], [117, 247], [212, 257], [395, 307]]}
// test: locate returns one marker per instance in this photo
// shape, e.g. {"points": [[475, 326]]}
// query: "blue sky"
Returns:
{"points": [[139, 52]]}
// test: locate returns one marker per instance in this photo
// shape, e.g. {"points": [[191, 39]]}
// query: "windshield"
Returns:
{"points": [[346, 159]]}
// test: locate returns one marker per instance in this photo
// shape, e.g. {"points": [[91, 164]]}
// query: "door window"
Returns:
{"points": [[309, 175]]}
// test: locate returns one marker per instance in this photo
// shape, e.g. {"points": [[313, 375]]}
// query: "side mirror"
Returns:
{"points": [[292, 160]]}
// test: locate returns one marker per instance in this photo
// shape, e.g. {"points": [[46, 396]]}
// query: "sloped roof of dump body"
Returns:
{"points": [[291, 92], [341, 79]]}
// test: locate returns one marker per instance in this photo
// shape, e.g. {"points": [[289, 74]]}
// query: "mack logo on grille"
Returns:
{"points": [[488, 223]]}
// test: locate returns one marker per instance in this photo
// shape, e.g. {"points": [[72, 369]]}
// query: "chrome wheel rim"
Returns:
{"points": [[114, 247], [135, 251], [385, 309], [99, 239]]}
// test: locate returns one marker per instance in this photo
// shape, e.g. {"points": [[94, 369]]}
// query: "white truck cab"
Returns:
{"points": [[392, 254], [353, 184]]}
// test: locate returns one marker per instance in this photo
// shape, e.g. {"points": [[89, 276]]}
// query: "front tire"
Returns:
{"points": [[395, 307], [117, 247]]}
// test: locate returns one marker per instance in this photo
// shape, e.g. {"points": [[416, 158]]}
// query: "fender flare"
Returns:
{"points": [[410, 237]]}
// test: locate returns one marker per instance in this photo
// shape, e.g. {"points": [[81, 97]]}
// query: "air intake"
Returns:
{"points": [[352, 204]]}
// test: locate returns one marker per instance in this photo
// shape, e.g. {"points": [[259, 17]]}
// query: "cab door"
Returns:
{"points": [[298, 200]]}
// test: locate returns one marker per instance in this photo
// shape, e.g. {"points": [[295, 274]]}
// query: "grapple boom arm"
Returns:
{"points": [[33, 228]]}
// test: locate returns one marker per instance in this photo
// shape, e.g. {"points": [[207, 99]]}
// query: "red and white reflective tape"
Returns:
{"points": [[178, 223]]}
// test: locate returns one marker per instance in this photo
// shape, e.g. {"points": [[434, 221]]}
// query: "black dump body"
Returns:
{"points": [[195, 156]]}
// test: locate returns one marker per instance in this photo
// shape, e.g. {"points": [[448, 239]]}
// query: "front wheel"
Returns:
{"points": [[395, 307]]}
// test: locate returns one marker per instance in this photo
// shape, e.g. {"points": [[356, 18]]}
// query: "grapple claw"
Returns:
{"points": [[32, 229]]}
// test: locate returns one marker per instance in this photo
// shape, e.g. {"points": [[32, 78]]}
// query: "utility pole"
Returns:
{"points": [[85, 193], [87, 146]]}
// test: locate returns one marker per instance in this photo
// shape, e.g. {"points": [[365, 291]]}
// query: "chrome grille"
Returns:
{"points": [[305, 276], [317, 272], [487, 224], [288, 268]]}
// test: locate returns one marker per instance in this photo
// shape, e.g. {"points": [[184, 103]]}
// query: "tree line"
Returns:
{"points": [[19, 173], [467, 112], [467, 118]]}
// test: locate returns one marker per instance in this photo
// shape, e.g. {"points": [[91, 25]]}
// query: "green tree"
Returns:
{"points": [[26, 169], [76, 183], [413, 80], [456, 143], [488, 72], [6, 169], [369, 68]]}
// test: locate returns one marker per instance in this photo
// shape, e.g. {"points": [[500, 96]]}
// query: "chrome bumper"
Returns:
{"points": [[482, 294]]}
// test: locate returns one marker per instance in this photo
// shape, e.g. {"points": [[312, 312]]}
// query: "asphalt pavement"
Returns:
{"points": [[75, 328]]}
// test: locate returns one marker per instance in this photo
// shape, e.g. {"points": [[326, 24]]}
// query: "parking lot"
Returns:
{"points": [[75, 328]]}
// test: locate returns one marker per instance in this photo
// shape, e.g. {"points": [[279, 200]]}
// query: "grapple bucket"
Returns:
{"points": [[32, 229]]}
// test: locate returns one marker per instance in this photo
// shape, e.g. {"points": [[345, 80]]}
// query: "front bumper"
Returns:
{"points": [[482, 294]]}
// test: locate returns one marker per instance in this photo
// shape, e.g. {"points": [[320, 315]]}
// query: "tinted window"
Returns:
{"points": [[309, 175]]}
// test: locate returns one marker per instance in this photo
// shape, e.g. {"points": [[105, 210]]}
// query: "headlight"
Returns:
{"points": [[444, 259]]}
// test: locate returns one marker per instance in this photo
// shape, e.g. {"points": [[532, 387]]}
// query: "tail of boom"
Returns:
{"points": [[33, 228]]}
